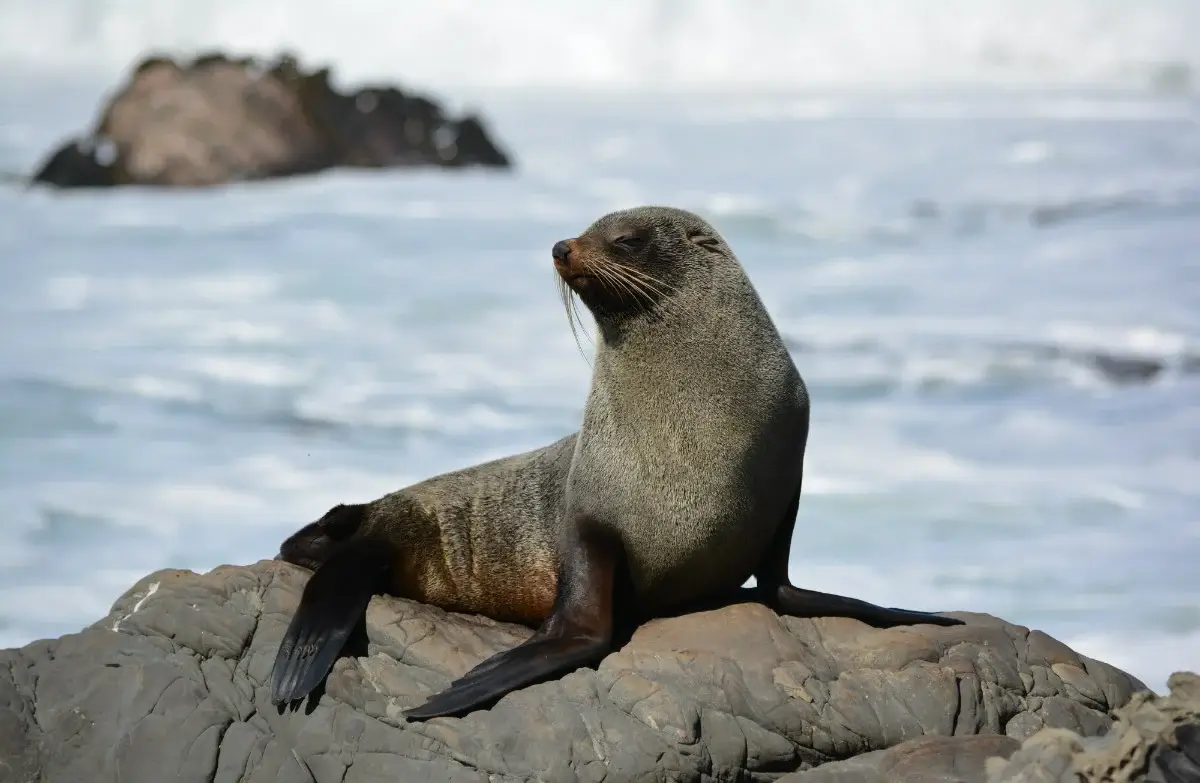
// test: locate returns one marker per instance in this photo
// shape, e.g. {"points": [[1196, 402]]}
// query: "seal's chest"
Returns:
{"points": [[671, 548]]}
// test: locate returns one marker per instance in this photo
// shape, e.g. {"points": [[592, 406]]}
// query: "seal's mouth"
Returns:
{"points": [[574, 273], [577, 271]]}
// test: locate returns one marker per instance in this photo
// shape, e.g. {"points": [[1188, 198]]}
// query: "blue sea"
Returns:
{"points": [[978, 227]]}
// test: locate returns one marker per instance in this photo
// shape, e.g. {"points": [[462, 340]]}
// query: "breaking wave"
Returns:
{"points": [[771, 44]]}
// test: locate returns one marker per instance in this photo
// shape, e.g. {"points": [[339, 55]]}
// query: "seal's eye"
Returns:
{"points": [[706, 242], [630, 242]]}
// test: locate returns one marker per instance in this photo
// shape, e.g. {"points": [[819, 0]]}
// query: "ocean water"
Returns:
{"points": [[981, 239]]}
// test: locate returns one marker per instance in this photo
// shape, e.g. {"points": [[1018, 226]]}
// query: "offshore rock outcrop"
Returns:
{"points": [[219, 119]]}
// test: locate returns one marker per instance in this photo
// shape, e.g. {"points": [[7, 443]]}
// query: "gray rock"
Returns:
{"points": [[172, 684], [926, 760], [1154, 739]]}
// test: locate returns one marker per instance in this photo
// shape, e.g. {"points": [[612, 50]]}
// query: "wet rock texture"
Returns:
{"points": [[172, 684], [219, 119], [1153, 739]]}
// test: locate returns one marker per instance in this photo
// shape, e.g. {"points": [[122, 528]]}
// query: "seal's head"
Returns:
{"points": [[633, 262]]}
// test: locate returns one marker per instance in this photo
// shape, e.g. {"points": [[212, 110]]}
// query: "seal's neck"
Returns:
{"points": [[718, 318]]}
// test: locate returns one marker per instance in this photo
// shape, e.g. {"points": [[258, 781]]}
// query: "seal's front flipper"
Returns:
{"points": [[333, 602], [577, 633], [810, 603], [526, 664]]}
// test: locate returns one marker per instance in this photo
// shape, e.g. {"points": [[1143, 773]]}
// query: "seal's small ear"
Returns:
{"points": [[705, 241], [342, 521]]}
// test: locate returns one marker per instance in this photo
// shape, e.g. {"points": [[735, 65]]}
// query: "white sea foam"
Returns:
{"points": [[154, 388], [634, 43], [72, 290], [258, 371], [68, 292], [51, 604]]}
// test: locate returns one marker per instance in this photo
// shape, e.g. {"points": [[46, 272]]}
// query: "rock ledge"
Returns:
{"points": [[173, 682]]}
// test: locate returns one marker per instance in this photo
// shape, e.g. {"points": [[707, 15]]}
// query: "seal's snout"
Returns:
{"points": [[567, 262], [562, 252]]}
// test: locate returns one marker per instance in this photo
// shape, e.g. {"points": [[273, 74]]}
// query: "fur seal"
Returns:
{"points": [[682, 482]]}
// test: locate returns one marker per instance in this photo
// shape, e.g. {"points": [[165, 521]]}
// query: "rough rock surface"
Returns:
{"points": [[924, 760], [1153, 739], [219, 119], [172, 685]]}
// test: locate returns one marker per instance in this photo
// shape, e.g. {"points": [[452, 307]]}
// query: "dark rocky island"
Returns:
{"points": [[219, 119], [172, 685]]}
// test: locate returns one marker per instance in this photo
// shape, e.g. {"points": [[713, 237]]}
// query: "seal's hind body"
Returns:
{"points": [[481, 539]]}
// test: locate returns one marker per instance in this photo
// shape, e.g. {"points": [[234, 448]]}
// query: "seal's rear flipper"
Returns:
{"points": [[793, 601], [333, 602], [777, 591], [577, 633]]}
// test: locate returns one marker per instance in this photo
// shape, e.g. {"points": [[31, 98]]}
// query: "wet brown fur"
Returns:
{"points": [[478, 540]]}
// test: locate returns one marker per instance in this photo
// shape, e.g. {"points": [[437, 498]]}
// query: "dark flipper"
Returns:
{"points": [[333, 602], [526, 664], [810, 603], [776, 589], [577, 633]]}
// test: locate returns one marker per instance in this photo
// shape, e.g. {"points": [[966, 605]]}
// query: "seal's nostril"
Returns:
{"points": [[561, 250]]}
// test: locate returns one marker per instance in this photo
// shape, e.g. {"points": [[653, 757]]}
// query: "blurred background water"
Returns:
{"points": [[977, 225]]}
